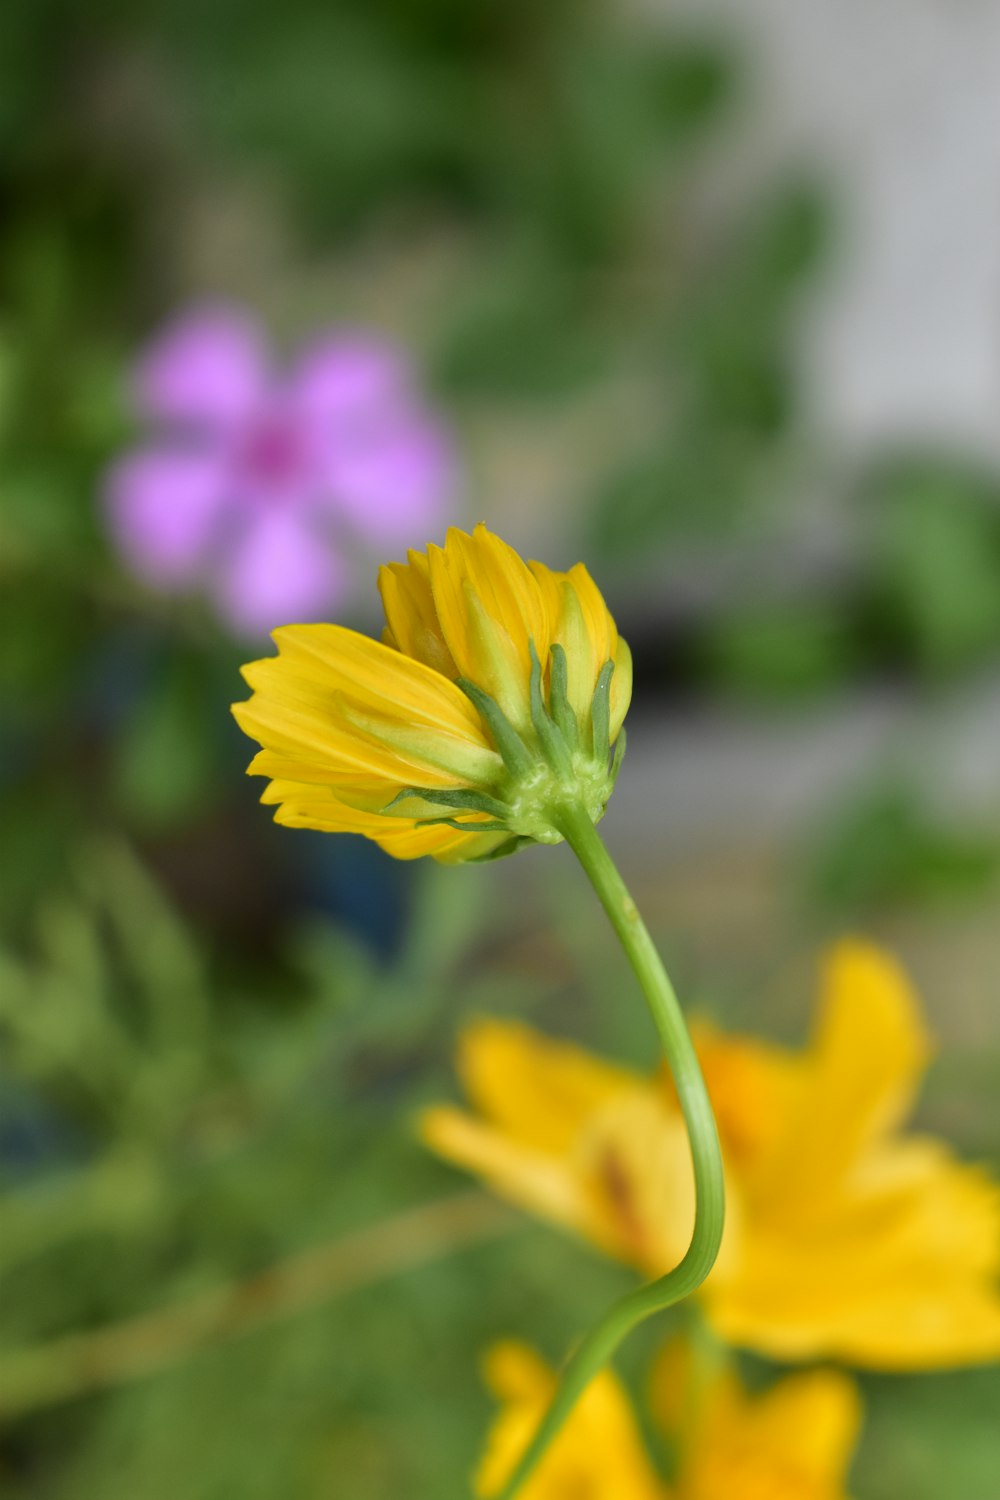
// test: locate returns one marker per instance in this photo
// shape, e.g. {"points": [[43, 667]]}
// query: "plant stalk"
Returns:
{"points": [[599, 1345]]}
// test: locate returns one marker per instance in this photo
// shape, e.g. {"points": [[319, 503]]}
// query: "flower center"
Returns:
{"points": [[272, 454]]}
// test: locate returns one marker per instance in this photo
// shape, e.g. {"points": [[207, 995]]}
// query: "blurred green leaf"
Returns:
{"points": [[725, 381], [886, 849], [689, 489], [929, 1436], [168, 760], [935, 572], [779, 652], [520, 328]]}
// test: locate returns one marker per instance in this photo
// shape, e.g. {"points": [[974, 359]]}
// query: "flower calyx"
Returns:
{"points": [[561, 760]]}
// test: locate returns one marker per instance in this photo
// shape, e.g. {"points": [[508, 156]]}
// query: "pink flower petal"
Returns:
{"points": [[347, 376], [165, 508], [394, 482], [280, 571], [384, 463], [207, 369]]}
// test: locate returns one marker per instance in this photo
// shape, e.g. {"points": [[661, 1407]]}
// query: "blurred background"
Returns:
{"points": [[707, 295]]}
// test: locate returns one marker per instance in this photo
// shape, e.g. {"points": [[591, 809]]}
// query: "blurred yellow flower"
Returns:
{"points": [[845, 1237], [598, 1455], [494, 697], [794, 1442]]}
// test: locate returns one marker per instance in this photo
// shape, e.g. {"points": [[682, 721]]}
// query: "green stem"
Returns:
{"points": [[598, 1346]]}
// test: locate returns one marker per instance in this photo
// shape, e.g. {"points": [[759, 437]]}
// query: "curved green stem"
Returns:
{"points": [[600, 1343]]}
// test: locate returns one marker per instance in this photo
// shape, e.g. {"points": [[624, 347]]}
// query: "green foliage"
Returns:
{"points": [[161, 772], [800, 650], [519, 324], [935, 566], [930, 1435], [507, 115], [188, 1131], [725, 385], [886, 849]]}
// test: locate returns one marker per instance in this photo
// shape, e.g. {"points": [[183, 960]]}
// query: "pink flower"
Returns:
{"points": [[257, 477]]}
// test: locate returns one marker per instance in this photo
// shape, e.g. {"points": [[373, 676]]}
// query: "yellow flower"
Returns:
{"points": [[494, 698], [598, 1455], [794, 1442], [845, 1236]]}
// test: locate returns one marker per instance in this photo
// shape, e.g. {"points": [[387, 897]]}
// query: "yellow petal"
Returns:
{"points": [[580, 621], [371, 675], [601, 629], [856, 1242], [634, 1161], [582, 666], [532, 1179], [896, 1270], [333, 700], [550, 584], [585, 1145], [317, 744], [598, 1455], [302, 806], [360, 721], [868, 1053], [514, 1372], [411, 617], [621, 688], [490, 608], [753, 1085], [534, 1088], [794, 1442]]}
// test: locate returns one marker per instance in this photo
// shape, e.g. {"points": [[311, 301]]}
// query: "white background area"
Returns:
{"points": [[898, 104]]}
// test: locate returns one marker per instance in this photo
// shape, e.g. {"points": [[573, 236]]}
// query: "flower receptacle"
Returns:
{"points": [[540, 772]]}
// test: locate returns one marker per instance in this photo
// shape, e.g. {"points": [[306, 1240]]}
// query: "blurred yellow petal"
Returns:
{"points": [[634, 1161], [587, 1145], [868, 1053], [520, 1173], [753, 1085], [899, 1273], [879, 1249], [844, 1237], [536, 1089], [599, 1455], [794, 1442], [514, 1372]]}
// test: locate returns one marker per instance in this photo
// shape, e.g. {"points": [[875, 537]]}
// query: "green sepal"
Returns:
{"points": [[559, 704], [600, 712], [619, 756], [463, 801], [511, 747], [549, 737], [463, 827], [512, 845]]}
